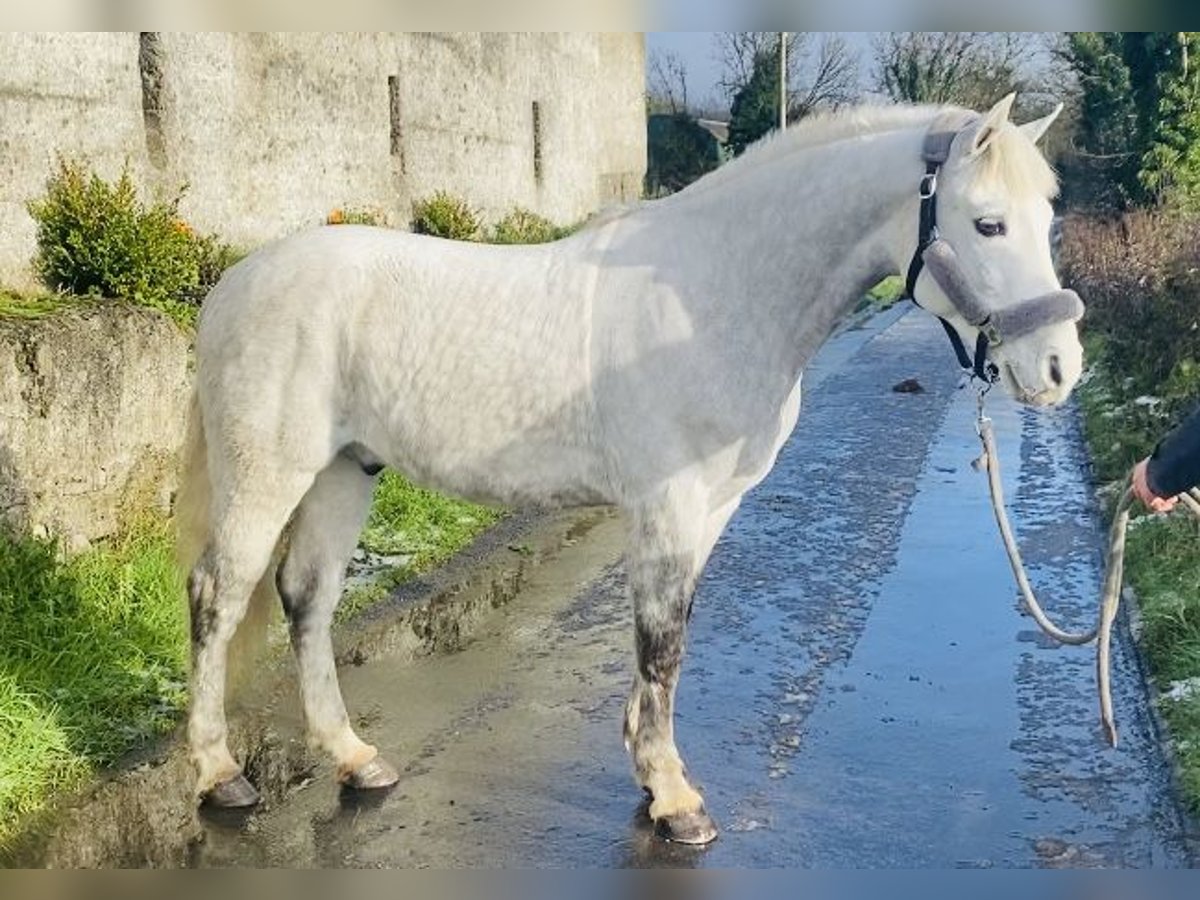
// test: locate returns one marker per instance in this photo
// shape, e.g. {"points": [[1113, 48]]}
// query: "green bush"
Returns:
{"points": [[446, 216], [98, 238], [521, 226], [213, 257]]}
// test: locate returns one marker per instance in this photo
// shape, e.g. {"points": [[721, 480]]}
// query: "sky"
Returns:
{"points": [[698, 52]]}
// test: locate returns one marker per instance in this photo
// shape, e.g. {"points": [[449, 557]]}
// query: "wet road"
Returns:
{"points": [[860, 690]]}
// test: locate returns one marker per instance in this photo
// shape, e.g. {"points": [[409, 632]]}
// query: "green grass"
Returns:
{"points": [[411, 520], [32, 306], [1163, 566], [29, 307], [92, 655], [423, 526], [1162, 560], [887, 291], [882, 296]]}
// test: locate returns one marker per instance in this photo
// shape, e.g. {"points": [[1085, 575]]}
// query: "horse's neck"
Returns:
{"points": [[786, 248]]}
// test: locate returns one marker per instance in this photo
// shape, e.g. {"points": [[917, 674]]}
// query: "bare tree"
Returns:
{"points": [[737, 51], [821, 70], [668, 84], [969, 68], [832, 80]]}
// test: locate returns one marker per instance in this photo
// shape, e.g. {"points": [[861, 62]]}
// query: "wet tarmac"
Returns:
{"points": [[860, 689]]}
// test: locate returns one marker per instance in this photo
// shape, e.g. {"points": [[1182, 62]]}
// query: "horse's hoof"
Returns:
{"points": [[371, 776], [694, 828], [233, 793]]}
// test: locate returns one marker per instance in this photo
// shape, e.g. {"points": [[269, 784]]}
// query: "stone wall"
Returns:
{"points": [[93, 405], [272, 131]]}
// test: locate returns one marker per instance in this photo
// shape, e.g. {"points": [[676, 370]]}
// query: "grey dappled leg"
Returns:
{"points": [[669, 544], [246, 525], [324, 533]]}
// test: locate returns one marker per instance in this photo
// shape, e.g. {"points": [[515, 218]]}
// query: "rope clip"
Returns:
{"points": [[981, 418]]}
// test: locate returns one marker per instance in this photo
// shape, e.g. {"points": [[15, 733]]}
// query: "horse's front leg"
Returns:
{"points": [[669, 543]]}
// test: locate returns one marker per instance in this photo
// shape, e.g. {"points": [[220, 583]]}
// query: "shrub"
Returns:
{"points": [[521, 226], [213, 257], [96, 237], [357, 215], [1140, 278], [446, 216]]}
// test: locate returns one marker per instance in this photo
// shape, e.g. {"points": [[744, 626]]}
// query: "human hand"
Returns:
{"points": [[1141, 487]]}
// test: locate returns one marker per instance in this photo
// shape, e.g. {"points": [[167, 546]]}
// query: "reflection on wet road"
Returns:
{"points": [[860, 689]]}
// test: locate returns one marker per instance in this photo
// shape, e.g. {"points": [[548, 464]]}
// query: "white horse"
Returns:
{"points": [[651, 361]]}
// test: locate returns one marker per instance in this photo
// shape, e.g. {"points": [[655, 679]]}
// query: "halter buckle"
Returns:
{"points": [[928, 185]]}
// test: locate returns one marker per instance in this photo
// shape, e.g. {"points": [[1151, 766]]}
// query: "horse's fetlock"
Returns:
{"points": [[676, 799]]}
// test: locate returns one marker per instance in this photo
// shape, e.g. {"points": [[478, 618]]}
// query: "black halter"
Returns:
{"points": [[936, 152]]}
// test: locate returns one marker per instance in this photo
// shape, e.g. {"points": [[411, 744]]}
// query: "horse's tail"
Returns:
{"points": [[192, 498], [192, 532]]}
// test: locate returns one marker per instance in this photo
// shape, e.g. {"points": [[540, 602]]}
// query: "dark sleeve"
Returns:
{"points": [[1175, 464]]}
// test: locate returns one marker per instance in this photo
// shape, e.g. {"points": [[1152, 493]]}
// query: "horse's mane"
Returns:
{"points": [[1012, 162], [817, 130]]}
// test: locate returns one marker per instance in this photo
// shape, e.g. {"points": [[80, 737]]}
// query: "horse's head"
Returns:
{"points": [[986, 268]]}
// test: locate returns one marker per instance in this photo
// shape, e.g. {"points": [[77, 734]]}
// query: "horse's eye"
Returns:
{"points": [[990, 227]]}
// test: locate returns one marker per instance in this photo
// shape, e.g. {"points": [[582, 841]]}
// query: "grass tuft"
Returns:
{"points": [[32, 306], [406, 519], [416, 529]]}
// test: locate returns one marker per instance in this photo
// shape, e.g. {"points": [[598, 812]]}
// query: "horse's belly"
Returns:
{"points": [[520, 473]]}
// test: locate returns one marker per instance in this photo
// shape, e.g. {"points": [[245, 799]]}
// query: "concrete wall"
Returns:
{"points": [[93, 405], [272, 131]]}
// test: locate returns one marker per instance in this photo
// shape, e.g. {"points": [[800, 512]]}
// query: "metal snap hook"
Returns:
{"points": [[981, 392]]}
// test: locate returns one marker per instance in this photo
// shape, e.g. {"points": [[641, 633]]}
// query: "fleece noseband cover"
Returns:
{"points": [[1003, 324]]}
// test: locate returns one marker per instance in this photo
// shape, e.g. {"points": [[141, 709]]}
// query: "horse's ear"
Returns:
{"points": [[996, 119], [1035, 129]]}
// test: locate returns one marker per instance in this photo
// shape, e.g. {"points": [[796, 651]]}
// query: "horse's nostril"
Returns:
{"points": [[1056, 371]]}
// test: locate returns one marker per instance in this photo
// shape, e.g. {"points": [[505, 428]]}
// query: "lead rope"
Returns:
{"points": [[1113, 569]]}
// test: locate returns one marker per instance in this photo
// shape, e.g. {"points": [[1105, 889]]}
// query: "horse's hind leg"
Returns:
{"points": [[250, 508], [323, 537], [670, 541]]}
